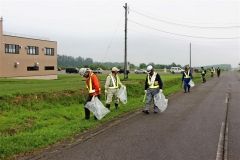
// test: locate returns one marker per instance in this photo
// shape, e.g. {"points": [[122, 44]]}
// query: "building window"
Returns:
{"points": [[49, 51], [12, 48], [49, 67], [32, 50], [32, 68]]}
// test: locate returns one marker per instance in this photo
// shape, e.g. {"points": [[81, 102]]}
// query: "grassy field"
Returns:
{"points": [[38, 113]]}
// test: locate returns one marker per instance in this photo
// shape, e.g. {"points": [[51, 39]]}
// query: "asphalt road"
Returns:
{"points": [[234, 118], [188, 130]]}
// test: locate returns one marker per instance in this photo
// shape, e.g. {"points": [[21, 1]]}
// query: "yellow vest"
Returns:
{"points": [[152, 83], [90, 90], [115, 84], [187, 75]]}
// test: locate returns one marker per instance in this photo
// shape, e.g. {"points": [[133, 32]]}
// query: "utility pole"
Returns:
{"points": [[125, 45], [190, 56]]}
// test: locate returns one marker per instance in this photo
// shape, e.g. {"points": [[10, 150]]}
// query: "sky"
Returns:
{"points": [[159, 32]]}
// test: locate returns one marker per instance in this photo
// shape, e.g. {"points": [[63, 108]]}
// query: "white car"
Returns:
{"points": [[140, 71], [176, 70], [98, 70]]}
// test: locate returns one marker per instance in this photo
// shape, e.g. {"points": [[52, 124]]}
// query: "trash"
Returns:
{"points": [[122, 94], [191, 83], [160, 101], [96, 106]]}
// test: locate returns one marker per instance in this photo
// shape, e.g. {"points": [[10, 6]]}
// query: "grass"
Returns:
{"points": [[38, 113], [12, 87]]}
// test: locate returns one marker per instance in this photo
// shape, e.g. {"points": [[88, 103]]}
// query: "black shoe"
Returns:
{"points": [[87, 118], [108, 106], [145, 111], [116, 106]]}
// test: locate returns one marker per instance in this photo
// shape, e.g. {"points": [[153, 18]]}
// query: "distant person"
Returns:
{"points": [[112, 87], [186, 77], [153, 85], [218, 72], [93, 86], [203, 74], [212, 71]]}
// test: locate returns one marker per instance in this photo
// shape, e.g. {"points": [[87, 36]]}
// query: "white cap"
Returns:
{"points": [[83, 71], [149, 68], [115, 69]]}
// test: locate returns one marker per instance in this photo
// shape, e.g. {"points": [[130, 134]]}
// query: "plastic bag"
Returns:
{"points": [[160, 101], [191, 83], [96, 106], [122, 94]]}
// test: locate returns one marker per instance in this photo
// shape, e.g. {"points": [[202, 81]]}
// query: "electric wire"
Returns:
{"points": [[111, 40], [177, 34], [184, 25]]}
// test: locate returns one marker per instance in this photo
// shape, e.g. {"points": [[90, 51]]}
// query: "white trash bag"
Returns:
{"points": [[98, 109], [122, 94], [160, 101], [191, 83]]}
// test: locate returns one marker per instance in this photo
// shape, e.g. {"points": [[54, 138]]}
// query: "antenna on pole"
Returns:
{"points": [[125, 44]]}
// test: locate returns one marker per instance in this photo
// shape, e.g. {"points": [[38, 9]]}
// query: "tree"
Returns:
{"points": [[152, 64], [142, 66], [173, 64], [132, 66]]}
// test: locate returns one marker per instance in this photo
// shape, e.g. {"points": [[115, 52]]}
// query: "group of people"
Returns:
{"points": [[94, 88], [212, 70], [187, 76], [153, 86]]}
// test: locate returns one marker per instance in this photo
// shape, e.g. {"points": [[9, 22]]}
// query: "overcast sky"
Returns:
{"points": [[95, 28]]}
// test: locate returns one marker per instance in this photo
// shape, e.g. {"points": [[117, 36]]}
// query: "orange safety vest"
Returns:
{"points": [[93, 84]]}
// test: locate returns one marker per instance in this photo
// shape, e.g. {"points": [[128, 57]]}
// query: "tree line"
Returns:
{"points": [[65, 61]]}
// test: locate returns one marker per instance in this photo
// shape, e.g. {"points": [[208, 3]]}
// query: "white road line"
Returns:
{"points": [[220, 143]]}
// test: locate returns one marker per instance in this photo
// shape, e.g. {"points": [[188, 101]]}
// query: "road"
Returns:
{"points": [[188, 130]]}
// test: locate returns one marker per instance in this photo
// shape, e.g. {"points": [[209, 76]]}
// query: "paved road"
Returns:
{"points": [[188, 130], [234, 118]]}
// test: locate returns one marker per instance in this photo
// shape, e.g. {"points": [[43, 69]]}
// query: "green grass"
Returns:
{"points": [[13, 87], [38, 113]]}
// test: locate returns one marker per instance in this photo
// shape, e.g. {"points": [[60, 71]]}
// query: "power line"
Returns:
{"points": [[111, 40], [182, 35], [184, 25]]}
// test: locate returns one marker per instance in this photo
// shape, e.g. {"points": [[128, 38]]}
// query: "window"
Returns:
{"points": [[49, 67], [12, 48], [32, 50], [49, 51], [32, 68]]}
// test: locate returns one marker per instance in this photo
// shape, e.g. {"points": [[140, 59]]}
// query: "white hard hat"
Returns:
{"points": [[115, 69], [83, 71], [149, 68]]}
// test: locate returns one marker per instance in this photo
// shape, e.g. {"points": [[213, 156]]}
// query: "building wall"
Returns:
{"points": [[1, 50], [7, 61]]}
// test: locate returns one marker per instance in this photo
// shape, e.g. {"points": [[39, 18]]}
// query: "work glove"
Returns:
{"points": [[161, 90], [145, 91], [105, 91]]}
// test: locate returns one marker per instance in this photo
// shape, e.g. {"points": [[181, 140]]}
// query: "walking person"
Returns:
{"points": [[93, 86], [212, 71], [153, 85], [112, 87], [218, 72], [186, 78], [203, 74]]}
